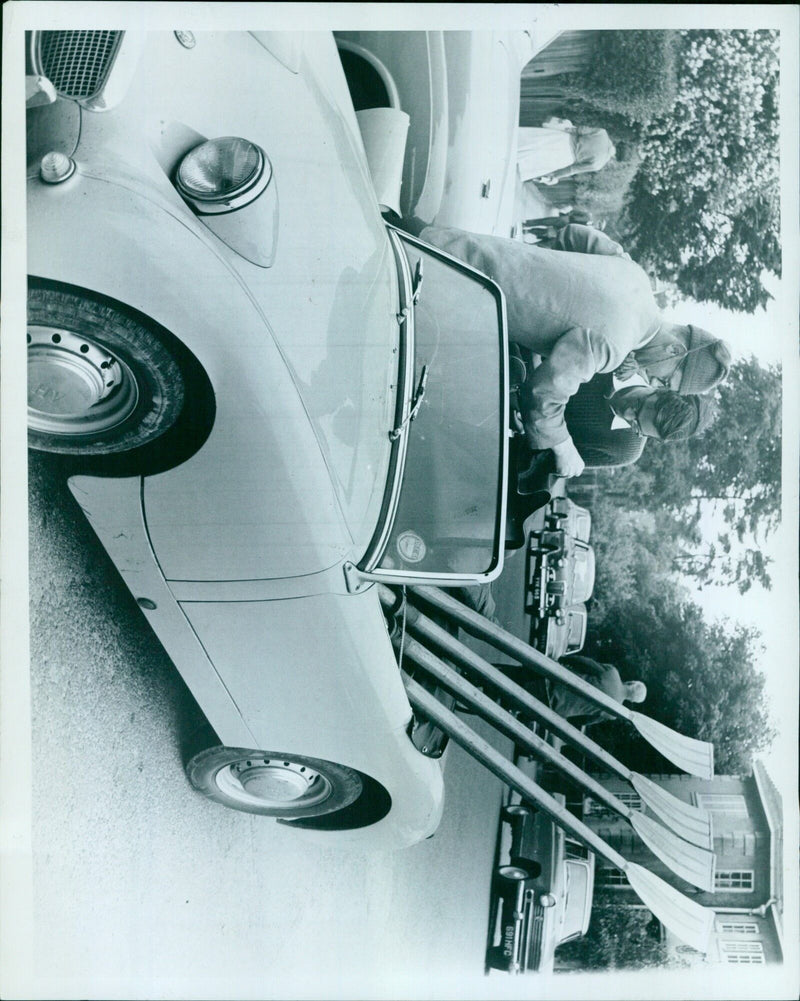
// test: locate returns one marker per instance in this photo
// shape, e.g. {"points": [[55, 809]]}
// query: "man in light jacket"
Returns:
{"points": [[583, 312]]}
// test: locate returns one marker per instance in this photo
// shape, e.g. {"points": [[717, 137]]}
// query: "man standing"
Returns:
{"points": [[583, 312], [571, 705]]}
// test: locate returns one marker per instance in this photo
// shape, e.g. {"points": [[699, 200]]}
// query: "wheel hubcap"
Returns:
{"points": [[75, 386], [273, 782]]}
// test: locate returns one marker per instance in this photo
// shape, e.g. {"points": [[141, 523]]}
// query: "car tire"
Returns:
{"points": [[513, 873], [516, 811], [76, 340], [532, 867], [273, 784]]}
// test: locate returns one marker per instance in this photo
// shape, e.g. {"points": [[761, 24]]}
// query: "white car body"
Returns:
{"points": [[461, 90], [238, 555]]}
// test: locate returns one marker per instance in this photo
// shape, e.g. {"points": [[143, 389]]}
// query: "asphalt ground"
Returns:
{"points": [[141, 888]]}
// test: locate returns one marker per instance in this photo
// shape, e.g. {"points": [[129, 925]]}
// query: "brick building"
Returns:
{"points": [[748, 843]]}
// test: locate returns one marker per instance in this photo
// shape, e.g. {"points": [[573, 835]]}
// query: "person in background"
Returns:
{"points": [[559, 149], [572, 705], [545, 229]]}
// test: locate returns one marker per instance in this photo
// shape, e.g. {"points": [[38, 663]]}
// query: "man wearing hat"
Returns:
{"points": [[583, 313], [694, 362], [610, 419]]}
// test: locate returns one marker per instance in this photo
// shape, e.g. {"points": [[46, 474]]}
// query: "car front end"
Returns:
{"points": [[543, 890], [215, 187]]}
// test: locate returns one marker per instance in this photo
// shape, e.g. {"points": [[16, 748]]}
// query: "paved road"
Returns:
{"points": [[142, 888]]}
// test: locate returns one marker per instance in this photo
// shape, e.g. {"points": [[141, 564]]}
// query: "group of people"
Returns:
{"points": [[614, 371]]}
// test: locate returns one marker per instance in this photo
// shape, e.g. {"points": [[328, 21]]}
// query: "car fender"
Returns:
{"points": [[273, 675], [258, 406]]}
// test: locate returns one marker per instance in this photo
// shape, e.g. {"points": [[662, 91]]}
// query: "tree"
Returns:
{"points": [[704, 209], [629, 73], [617, 939], [702, 678], [734, 468]]}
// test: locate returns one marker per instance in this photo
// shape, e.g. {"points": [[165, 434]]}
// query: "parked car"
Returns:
{"points": [[461, 91], [268, 399], [543, 890], [561, 570]]}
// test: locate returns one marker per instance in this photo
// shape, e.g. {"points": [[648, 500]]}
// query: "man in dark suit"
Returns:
{"points": [[583, 312], [610, 421]]}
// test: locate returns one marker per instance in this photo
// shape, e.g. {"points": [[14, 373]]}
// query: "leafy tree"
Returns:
{"points": [[630, 73], [618, 938], [735, 467], [704, 208], [701, 678]]}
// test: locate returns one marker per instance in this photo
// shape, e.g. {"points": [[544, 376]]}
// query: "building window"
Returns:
{"points": [[738, 927], [609, 876], [743, 953], [721, 803], [594, 809], [738, 880]]}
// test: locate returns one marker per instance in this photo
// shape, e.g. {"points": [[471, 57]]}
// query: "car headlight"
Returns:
{"points": [[222, 175], [547, 900]]}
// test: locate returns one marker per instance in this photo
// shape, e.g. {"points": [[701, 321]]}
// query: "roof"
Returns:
{"points": [[773, 808]]}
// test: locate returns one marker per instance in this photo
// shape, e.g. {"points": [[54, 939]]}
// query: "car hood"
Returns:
{"points": [[306, 349], [331, 298]]}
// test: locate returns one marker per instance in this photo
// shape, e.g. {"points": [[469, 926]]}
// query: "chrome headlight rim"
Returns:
{"points": [[206, 203]]}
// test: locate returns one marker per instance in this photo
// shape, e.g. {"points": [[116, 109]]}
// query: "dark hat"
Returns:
{"points": [[707, 362]]}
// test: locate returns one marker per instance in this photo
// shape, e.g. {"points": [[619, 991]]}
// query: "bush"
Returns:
{"points": [[631, 73], [618, 938], [603, 192]]}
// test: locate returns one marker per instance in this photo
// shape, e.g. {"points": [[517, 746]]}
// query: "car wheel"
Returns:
{"points": [[101, 380], [533, 868], [513, 873], [516, 810], [273, 784]]}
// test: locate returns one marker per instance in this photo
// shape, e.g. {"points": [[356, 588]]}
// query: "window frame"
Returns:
{"points": [[367, 570], [718, 802], [721, 874]]}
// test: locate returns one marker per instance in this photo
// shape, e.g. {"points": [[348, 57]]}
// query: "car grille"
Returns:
{"points": [[77, 63], [534, 913]]}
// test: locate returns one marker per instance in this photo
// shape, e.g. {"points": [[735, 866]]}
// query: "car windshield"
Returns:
{"points": [[583, 583], [575, 899], [448, 513]]}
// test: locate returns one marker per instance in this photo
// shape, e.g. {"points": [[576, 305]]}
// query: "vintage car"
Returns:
{"points": [[560, 579], [543, 889], [461, 91], [267, 398]]}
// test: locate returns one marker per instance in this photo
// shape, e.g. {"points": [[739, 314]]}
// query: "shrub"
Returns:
{"points": [[603, 192], [631, 73]]}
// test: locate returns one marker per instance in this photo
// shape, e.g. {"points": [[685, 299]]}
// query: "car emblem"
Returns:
{"points": [[411, 547], [186, 38]]}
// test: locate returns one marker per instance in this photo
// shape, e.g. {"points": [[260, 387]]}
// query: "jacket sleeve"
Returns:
{"points": [[576, 356]]}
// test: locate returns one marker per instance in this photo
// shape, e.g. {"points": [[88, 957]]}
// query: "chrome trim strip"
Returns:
{"points": [[405, 384], [369, 563]]}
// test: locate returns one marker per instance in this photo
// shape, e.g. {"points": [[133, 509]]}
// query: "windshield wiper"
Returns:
{"points": [[417, 282], [416, 402]]}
